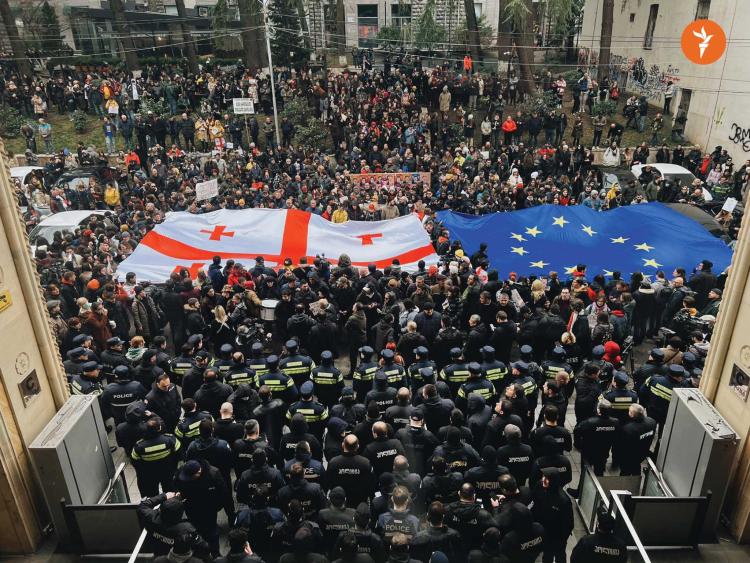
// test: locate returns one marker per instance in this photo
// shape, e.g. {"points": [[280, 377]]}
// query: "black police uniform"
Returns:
{"points": [[315, 413], [165, 522], [494, 370], [383, 394], [477, 385], [297, 366], [656, 394], [415, 378], [254, 477], [353, 473], [394, 373], [118, 395], [327, 380], [155, 460], [455, 375], [518, 458], [595, 437], [621, 399], [419, 445], [180, 366], [238, 374], [281, 386], [364, 374], [600, 547], [381, 452], [634, 444]]}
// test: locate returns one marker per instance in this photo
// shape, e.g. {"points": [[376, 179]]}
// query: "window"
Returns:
{"points": [[632, 17], [648, 40], [203, 11], [401, 15], [367, 24], [477, 10], [701, 11]]}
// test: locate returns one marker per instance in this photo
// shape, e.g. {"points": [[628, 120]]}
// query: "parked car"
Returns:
{"points": [[65, 222]]}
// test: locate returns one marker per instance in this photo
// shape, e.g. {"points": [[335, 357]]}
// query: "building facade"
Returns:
{"points": [[646, 55]]}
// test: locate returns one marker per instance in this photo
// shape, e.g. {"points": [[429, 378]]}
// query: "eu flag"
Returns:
{"points": [[635, 238]]}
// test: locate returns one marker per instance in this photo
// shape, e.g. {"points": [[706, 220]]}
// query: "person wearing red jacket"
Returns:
{"points": [[509, 127]]}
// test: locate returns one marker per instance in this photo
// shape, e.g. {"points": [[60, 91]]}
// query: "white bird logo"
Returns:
{"points": [[705, 40]]}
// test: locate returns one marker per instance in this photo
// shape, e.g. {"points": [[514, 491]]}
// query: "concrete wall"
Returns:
{"points": [[720, 101]]}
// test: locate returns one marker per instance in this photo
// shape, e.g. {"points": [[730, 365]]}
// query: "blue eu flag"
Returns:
{"points": [[635, 238]]}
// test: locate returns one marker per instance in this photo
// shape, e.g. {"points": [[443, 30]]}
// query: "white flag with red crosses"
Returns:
{"points": [[189, 241]]}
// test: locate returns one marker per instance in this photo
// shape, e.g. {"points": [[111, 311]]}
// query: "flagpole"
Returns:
{"points": [[270, 70]]}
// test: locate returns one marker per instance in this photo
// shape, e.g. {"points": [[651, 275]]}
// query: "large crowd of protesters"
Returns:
{"points": [[443, 437]]}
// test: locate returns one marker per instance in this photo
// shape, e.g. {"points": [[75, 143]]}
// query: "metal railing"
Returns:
{"points": [[617, 510]]}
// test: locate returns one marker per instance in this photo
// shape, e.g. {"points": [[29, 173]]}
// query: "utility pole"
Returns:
{"points": [[270, 71]]}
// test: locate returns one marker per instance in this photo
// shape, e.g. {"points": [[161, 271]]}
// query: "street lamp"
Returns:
{"points": [[270, 70]]}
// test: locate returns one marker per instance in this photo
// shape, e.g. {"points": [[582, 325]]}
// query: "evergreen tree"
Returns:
{"points": [[287, 45], [51, 41], [220, 20], [428, 31]]}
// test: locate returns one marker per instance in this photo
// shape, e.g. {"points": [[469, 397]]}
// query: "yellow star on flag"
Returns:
{"points": [[571, 269], [651, 262], [539, 264], [533, 231], [619, 240], [588, 230], [609, 273], [518, 237], [643, 246], [519, 250], [560, 221]]}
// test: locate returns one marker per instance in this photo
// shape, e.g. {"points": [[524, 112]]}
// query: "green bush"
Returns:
{"points": [[571, 76], [80, 121], [310, 133], [539, 103], [156, 106], [11, 121], [606, 108]]}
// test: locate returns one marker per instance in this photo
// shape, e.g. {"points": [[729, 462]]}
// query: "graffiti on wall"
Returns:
{"points": [[652, 81], [740, 136]]}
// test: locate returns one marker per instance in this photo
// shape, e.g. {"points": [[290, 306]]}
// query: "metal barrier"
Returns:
{"points": [[624, 528], [109, 528]]}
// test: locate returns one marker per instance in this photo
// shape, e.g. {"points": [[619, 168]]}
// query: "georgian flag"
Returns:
{"points": [[185, 240]]}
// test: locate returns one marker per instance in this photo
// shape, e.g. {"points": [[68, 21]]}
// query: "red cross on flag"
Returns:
{"points": [[189, 241]]}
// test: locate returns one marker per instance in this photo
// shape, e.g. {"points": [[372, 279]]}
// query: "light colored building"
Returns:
{"points": [[647, 55]]}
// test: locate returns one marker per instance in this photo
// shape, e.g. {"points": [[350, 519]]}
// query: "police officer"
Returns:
{"points": [[435, 409], [237, 373], [88, 381], [394, 373], [113, 356], [606, 369], [303, 456], [382, 450], [551, 427], [523, 378], [281, 385], [180, 365], [337, 518], [553, 509], [164, 517], [192, 379], [468, 517], [456, 373], [315, 413], [242, 449], [419, 443], [501, 417], [588, 392], [634, 445], [213, 393], [398, 415], [128, 433], [525, 540], [596, 435], [352, 472], [421, 360], [259, 473], [437, 537], [296, 365], [458, 455], [494, 370], [526, 354], [364, 374], [116, 396], [76, 358], [475, 384], [309, 495], [257, 361], [602, 546], [327, 380], [86, 341], [155, 459], [551, 455], [515, 455], [556, 365], [348, 409], [270, 414], [213, 450], [486, 477], [381, 393], [399, 518], [428, 375], [621, 397], [656, 393], [653, 366], [224, 360], [368, 542]]}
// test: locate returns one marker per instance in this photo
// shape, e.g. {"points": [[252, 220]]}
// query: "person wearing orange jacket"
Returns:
{"points": [[509, 128], [468, 63]]}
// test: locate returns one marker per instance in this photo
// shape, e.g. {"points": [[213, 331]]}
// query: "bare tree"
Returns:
{"points": [[303, 22], [189, 45], [16, 44], [127, 45], [605, 41], [253, 35], [475, 42]]}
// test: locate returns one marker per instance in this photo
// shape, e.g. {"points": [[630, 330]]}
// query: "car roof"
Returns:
{"points": [[69, 218], [662, 167], [23, 171]]}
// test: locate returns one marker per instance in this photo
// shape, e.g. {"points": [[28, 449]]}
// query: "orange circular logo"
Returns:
{"points": [[703, 42]]}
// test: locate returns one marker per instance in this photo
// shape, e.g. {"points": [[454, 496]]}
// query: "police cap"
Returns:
{"points": [[521, 366], [121, 372], [226, 349], [455, 353], [676, 371], [326, 355], [256, 348], [115, 341], [91, 366], [657, 354], [621, 378], [421, 351], [387, 354], [194, 339], [366, 351], [526, 351], [598, 351], [291, 345], [77, 352], [558, 353], [80, 339], [272, 362], [306, 389], [474, 368], [487, 350]]}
